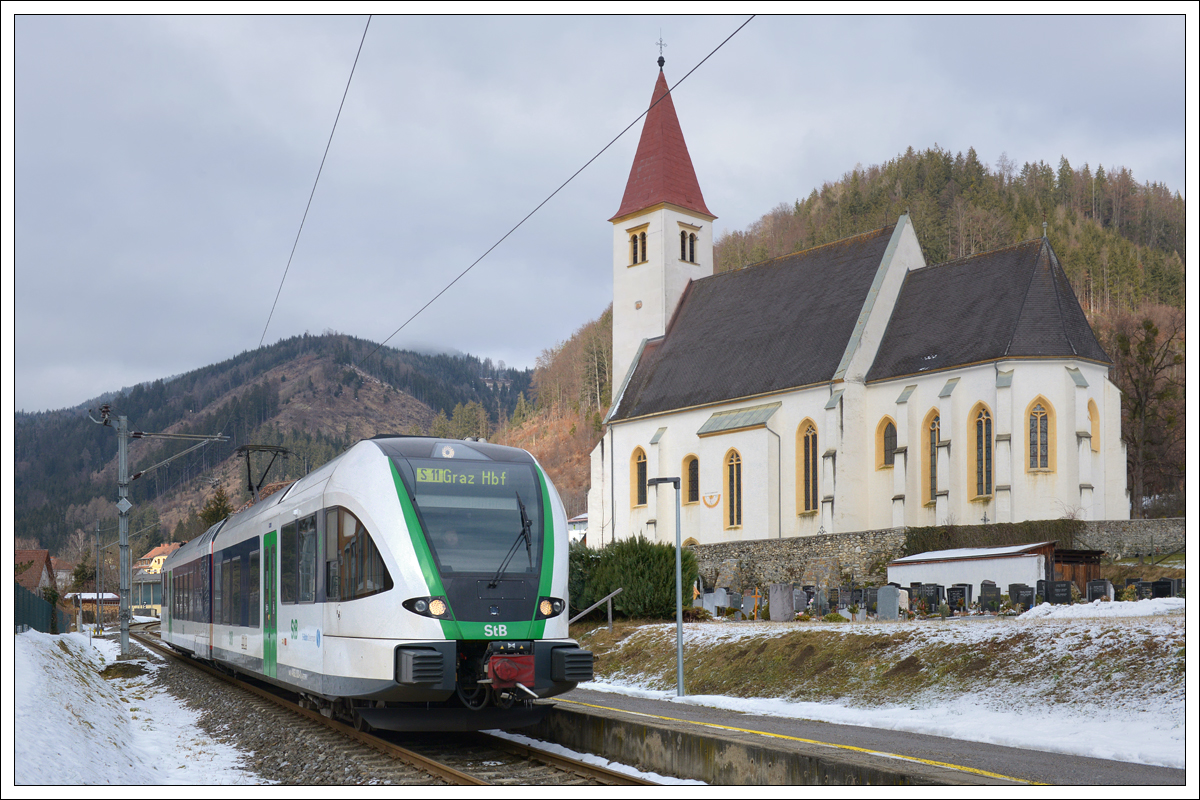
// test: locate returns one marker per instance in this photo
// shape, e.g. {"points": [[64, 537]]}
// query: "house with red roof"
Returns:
{"points": [[33, 570]]}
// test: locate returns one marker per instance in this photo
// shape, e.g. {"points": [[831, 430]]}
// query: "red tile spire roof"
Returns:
{"points": [[662, 169]]}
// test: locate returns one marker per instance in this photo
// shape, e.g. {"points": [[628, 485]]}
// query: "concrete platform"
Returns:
{"points": [[727, 748]]}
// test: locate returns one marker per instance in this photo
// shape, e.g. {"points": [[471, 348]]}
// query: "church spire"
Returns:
{"points": [[662, 169]]}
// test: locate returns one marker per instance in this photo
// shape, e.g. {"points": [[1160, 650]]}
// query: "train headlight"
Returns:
{"points": [[550, 607], [435, 607]]}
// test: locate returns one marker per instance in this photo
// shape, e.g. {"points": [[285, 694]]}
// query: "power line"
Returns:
{"points": [[314, 189], [552, 194]]}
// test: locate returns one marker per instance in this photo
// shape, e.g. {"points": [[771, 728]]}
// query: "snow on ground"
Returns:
{"points": [[71, 726], [1135, 723]]}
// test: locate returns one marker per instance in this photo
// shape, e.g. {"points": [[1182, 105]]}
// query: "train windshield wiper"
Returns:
{"points": [[526, 525]]}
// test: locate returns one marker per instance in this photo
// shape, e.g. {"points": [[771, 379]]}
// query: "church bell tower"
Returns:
{"points": [[662, 233]]}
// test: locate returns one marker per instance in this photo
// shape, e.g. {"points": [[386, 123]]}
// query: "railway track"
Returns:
{"points": [[474, 759]]}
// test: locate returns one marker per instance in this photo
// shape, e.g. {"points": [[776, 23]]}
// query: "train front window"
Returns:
{"points": [[471, 511]]}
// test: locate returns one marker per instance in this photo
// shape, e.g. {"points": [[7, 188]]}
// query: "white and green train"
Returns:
{"points": [[411, 583]]}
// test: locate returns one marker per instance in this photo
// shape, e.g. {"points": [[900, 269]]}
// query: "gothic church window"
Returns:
{"points": [[691, 471], [983, 452], [733, 501], [1040, 420], [806, 449], [638, 478]]}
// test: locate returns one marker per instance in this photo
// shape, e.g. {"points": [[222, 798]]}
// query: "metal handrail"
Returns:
{"points": [[595, 605]]}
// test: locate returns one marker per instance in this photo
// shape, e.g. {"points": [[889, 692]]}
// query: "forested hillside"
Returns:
{"points": [[308, 394], [1122, 243]]}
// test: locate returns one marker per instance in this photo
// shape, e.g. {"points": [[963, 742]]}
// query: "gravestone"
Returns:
{"points": [[857, 597], [822, 603], [799, 600], [1163, 587], [1145, 590], [888, 603], [748, 603], [969, 588], [721, 598], [989, 596], [956, 598], [1021, 595], [781, 604], [709, 601], [1058, 592], [872, 599], [933, 595], [734, 601], [1101, 588], [904, 602], [1041, 589]]}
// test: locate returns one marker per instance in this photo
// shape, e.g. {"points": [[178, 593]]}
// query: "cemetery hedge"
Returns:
{"points": [[645, 571], [948, 537]]}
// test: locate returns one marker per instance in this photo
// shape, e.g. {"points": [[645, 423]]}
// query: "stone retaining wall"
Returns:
{"points": [[1122, 538], [836, 558]]}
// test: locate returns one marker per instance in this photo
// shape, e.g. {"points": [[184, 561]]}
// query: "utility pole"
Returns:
{"points": [[123, 504]]}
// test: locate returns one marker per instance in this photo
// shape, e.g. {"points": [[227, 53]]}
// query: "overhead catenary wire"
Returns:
{"points": [[315, 182], [549, 197]]}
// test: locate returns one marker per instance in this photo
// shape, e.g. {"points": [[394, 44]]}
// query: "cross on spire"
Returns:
{"points": [[661, 44]]}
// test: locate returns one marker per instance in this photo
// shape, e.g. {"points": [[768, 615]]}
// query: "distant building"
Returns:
{"points": [[846, 387], [64, 572], [153, 560], [577, 528], [33, 570]]}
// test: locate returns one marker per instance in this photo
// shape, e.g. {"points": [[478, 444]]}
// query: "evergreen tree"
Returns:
{"points": [[216, 509]]}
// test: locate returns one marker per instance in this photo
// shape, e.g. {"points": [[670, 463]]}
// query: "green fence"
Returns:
{"points": [[31, 611]]}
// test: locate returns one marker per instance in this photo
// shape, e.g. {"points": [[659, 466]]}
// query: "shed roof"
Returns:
{"points": [[967, 553]]}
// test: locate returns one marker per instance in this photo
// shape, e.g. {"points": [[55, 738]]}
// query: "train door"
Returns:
{"points": [[270, 602]]}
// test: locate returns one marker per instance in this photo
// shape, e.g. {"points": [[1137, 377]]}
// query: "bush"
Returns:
{"points": [[644, 569]]}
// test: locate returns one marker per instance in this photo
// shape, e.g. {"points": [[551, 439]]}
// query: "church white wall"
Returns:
{"points": [[645, 294]]}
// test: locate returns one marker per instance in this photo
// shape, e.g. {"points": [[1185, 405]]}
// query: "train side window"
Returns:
{"points": [[360, 569], [306, 544], [253, 580], [287, 563], [331, 554]]}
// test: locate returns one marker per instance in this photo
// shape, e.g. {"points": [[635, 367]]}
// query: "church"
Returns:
{"points": [[845, 387]]}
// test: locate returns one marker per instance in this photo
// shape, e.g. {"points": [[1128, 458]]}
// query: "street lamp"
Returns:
{"points": [[678, 586]]}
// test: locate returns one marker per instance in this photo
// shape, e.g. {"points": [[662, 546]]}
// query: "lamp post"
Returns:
{"points": [[678, 586]]}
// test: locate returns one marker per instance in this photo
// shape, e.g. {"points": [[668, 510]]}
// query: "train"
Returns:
{"points": [[411, 583]]}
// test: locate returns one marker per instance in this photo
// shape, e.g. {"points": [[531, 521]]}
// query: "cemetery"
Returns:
{"points": [[992, 581]]}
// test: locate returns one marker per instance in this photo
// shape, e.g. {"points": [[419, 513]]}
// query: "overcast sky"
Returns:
{"points": [[163, 164]]}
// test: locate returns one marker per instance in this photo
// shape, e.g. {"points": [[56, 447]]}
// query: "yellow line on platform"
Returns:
{"points": [[880, 753]]}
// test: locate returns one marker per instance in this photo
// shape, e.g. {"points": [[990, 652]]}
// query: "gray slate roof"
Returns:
{"points": [[1015, 302], [776, 325]]}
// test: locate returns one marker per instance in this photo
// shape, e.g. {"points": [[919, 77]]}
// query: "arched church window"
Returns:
{"points": [[733, 501], [638, 477], [642, 237], [807, 449], [691, 471], [885, 441], [692, 248], [1039, 438], [934, 433], [683, 246], [633, 249], [983, 452]]}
